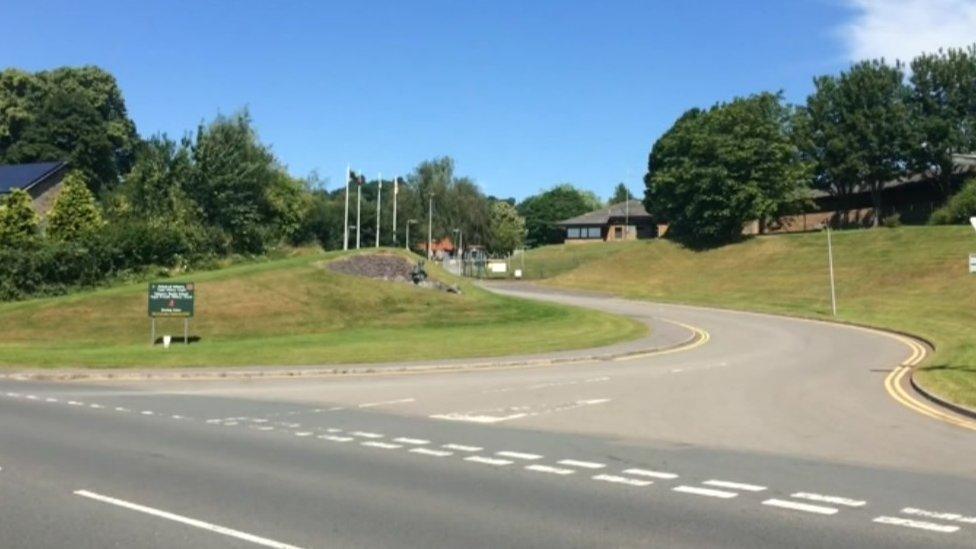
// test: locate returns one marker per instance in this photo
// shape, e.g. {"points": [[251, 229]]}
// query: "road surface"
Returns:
{"points": [[773, 432]]}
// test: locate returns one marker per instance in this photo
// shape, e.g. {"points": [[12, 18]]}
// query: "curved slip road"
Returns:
{"points": [[776, 432]]}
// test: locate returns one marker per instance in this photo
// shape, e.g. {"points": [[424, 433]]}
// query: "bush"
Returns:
{"points": [[960, 207], [892, 221]]}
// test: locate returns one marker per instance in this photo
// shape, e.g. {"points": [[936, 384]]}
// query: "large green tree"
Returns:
{"points": [[155, 188], [716, 170], [18, 221], [943, 102], [75, 213], [620, 194], [543, 211], [507, 228]]}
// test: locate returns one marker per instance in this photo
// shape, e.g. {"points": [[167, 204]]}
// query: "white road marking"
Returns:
{"points": [[477, 418], [186, 520], [146, 412], [14, 395], [31, 397], [919, 524], [335, 438], [264, 428], [398, 401], [623, 480], [796, 506], [489, 461], [96, 406], [550, 469], [652, 474], [734, 485], [121, 409], [226, 423], [303, 433], [365, 434], [429, 452], [406, 440], [384, 445], [939, 515], [49, 399], [518, 455], [583, 464], [704, 492], [836, 500], [75, 403], [462, 447]]}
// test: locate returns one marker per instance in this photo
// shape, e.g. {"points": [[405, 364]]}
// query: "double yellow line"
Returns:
{"points": [[895, 385], [699, 337]]}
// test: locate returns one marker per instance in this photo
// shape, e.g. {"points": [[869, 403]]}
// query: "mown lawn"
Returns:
{"points": [[911, 278], [294, 312]]}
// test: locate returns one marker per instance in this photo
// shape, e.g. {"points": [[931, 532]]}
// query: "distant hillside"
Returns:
{"points": [[910, 278]]}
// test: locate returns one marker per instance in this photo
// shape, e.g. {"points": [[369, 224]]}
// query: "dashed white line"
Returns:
{"points": [[303, 433], [704, 492], [918, 524], [335, 438], [623, 480], [652, 474], [489, 461], [796, 506], [186, 520], [75, 403], [31, 397], [462, 447], [146, 412], [939, 515], [518, 455], [121, 409], [477, 418], [734, 485], [550, 469], [406, 440], [836, 500], [96, 406], [583, 464], [429, 452], [364, 434], [49, 399], [383, 445]]}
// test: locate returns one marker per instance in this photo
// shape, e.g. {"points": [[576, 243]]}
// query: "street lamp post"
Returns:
{"points": [[345, 224], [379, 197], [430, 225], [359, 205]]}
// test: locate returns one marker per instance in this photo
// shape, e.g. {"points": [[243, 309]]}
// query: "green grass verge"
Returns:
{"points": [[911, 278], [295, 312]]}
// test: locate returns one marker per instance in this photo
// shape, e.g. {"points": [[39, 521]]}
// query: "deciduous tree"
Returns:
{"points": [[75, 213], [18, 221]]}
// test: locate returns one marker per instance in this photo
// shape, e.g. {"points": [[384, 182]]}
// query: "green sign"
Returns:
{"points": [[171, 299]]}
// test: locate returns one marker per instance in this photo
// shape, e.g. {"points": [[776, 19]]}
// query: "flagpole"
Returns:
{"points": [[396, 190], [379, 197], [345, 227], [359, 207]]}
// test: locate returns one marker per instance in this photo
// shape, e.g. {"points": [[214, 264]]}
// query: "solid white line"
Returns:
{"points": [[806, 507], [384, 445], [185, 520], [583, 464], [518, 455], [365, 434], [734, 485], [462, 447], [623, 480], [406, 440], [429, 452], [652, 474], [704, 492], [921, 525], [399, 401], [954, 517], [489, 461], [836, 500], [550, 469], [334, 438]]}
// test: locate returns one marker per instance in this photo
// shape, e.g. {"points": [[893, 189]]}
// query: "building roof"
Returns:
{"points": [[962, 164], [25, 176], [631, 208]]}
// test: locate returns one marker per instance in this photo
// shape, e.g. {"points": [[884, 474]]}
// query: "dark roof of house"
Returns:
{"points": [[632, 208], [25, 176], [962, 164]]}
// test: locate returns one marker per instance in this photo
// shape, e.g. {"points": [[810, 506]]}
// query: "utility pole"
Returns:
{"points": [[345, 225], [396, 190], [430, 225], [830, 263], [379, 196], [408, 223], [359, 206]]}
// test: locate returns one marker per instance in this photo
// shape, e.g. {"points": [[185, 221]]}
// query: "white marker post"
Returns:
{"points": [[830, 263]]}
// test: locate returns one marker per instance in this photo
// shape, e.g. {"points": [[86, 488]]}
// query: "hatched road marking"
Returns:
{"points": [[518, 455], [583, 464], [462, 447], [708, 492], [429, 452], [652, 474], [623, 480], [796, 506], [734, 485], [550, 469], [836, 500], [489, 461], [918, 524], [383, 445]]}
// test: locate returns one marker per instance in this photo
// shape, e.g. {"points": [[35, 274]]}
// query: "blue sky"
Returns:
{"points": [[522, 94]]}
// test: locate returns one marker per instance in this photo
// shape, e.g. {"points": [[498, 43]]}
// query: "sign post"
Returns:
{"points": [[972, 263], [172, 299]]}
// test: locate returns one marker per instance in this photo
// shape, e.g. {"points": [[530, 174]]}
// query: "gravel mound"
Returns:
{"points": [[379, 266]]}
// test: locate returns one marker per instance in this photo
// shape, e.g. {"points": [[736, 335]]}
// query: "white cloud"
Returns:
{"points": [[902, 29]]}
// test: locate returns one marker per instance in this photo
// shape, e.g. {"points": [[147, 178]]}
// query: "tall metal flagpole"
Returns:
{"points": [[359, 207], [396, 190], [345, 227], [379, 197]]}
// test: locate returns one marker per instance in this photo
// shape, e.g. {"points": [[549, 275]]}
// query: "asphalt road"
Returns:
{"points": [[772, 433]]}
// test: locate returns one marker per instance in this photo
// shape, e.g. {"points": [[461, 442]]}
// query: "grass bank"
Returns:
{"points": [[911, 278], [295, 312]]}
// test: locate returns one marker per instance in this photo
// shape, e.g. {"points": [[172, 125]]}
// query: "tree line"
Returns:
{"points": [[130, 205], [757, 158]]}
